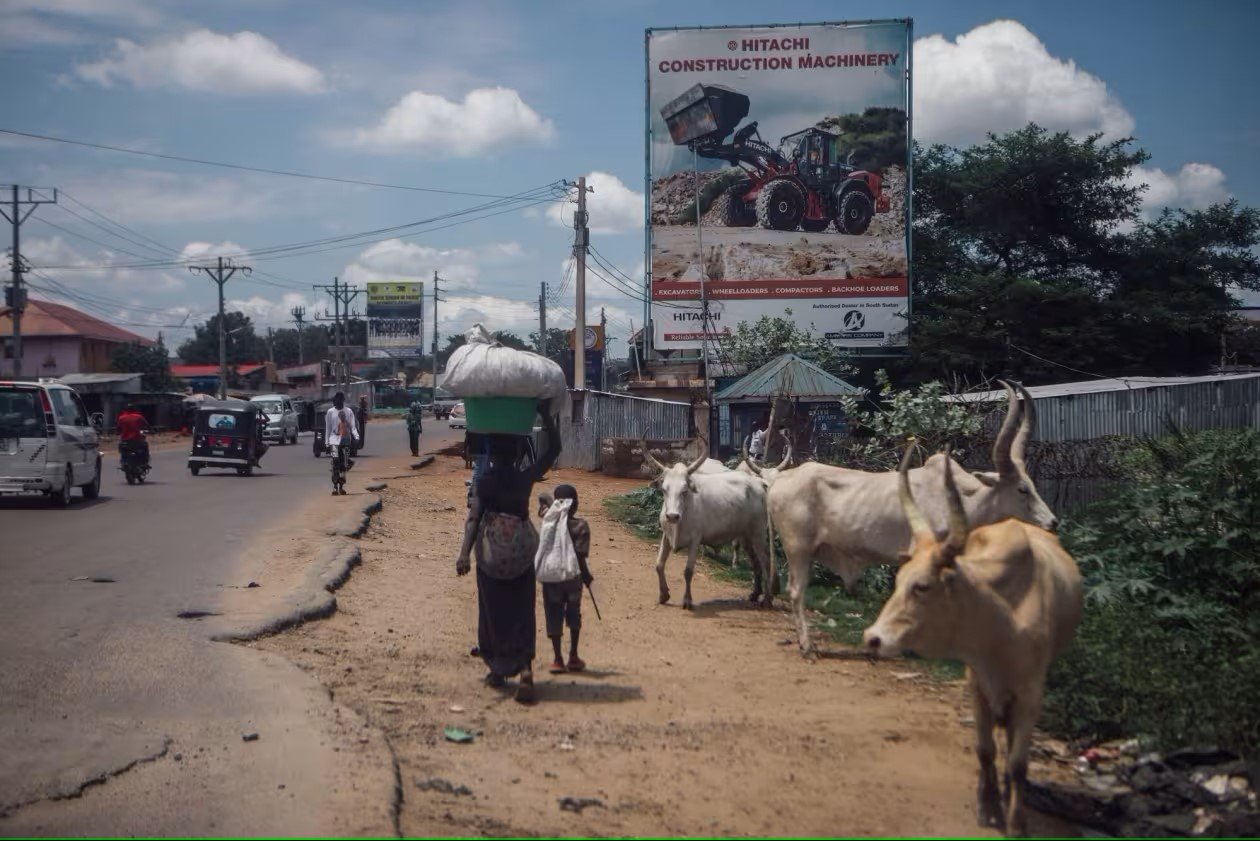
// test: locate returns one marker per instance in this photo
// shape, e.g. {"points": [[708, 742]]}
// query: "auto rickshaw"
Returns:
{"points": [[227, 434]]}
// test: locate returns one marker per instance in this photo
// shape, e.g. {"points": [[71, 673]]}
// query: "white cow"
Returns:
{"points": [[712, 509], [851, 519]]}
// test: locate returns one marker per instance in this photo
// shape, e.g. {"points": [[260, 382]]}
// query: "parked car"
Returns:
{"points": [[282, 418], [443, 403], [457, 417], [47, 443]]}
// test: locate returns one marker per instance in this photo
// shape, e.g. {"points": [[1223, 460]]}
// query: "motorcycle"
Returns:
{"points": [[317, 446], [132, 460]]}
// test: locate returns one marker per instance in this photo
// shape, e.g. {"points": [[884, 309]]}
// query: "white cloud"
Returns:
{"points": [[58, 23], [91, 273], [999, 77], [613, 207], [152, 197], [398, 260], [198, 250], [268, 312], [206, 62], [488, 119], [1194, 186]]}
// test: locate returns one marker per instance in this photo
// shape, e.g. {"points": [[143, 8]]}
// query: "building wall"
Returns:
{"points": [[39, 351]]}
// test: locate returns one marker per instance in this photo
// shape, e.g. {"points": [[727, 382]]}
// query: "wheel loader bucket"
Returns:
{"points": [[704, 114]]}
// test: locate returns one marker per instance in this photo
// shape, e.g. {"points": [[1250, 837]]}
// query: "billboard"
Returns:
{"points": [[793, 143], [395, 320]]}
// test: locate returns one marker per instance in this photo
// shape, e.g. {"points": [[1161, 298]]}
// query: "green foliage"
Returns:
{"points": [[1032, 245], [557, 343], [153, 362], [876, 137], [752, 345], [284, 343], [242, 342], [880, 432], [1170, 644]]}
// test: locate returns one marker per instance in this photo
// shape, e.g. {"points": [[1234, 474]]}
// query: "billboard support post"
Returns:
{"points": [[704, 302]]}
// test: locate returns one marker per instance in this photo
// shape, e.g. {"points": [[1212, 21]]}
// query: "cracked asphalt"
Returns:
{"points": [[118, 717]]}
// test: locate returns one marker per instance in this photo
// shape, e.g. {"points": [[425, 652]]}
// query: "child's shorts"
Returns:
{"points": [[562, 603]]}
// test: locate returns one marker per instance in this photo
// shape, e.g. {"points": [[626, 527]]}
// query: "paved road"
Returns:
{"points": [[99, 672]]}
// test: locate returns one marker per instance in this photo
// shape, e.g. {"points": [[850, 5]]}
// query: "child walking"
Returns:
{"points": [[562, 599]]}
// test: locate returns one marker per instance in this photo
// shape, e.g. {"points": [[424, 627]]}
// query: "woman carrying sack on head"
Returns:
{"points": [[498, 528]]}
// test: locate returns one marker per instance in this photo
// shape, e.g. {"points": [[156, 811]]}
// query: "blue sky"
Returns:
{"points": [[498, 98]]}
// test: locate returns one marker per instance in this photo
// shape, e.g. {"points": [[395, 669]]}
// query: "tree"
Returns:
{"points": [[314, 345], [1032, 261], [153, 362], [557, 344], [243, 344], [508, 339], [752, 345]]}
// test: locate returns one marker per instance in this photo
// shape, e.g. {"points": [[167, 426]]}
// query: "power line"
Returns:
{"points": [[246, 167]]}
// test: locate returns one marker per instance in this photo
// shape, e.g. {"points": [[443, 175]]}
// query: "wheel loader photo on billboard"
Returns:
{"points": [[808, 188], [778, 166]]}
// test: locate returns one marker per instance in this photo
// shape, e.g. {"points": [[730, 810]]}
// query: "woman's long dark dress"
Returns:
{"points": [[506, 627]]}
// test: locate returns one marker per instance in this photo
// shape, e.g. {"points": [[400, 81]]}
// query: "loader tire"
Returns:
{"points": [[856, 210], [739, 213], [780, 205]]}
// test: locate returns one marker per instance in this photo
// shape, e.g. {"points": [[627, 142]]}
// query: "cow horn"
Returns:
{"points": [[957, 537], [787, 451], [754, 468], [701, 459], [1027, 424], [648, 457], [918, 525], [1006, 435]]}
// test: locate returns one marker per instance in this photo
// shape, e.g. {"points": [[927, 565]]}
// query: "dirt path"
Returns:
{"points": [[686, 723]]}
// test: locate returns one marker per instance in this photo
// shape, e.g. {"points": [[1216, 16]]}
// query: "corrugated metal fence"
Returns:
{"points": [[1226, 403], [606, 415]]}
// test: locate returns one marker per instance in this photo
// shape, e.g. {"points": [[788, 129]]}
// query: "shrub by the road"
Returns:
{"points": [[1169, 647]]}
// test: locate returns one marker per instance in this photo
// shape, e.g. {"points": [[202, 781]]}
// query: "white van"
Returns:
{"points": [[47, 444], [282, 419]]}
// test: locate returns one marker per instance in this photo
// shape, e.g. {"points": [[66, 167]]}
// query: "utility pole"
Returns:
{"points": [[299, 315], [219, 273], [542, 320], [582, 239], [15, 295], [603, 357], [342, 295], [271, 346], [436, 281], [704, 305]]}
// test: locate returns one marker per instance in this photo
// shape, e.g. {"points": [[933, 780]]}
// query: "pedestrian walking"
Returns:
{"points": [[561, 566], [499, 528], [362, 415], [339, 433], [414, 427]]}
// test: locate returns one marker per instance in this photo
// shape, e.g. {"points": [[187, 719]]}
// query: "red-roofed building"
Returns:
{"points": [[57, 340], [250, 376]]}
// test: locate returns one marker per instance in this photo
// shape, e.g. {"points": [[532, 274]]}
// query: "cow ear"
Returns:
{"points": [[655, 483], [986, 479]]}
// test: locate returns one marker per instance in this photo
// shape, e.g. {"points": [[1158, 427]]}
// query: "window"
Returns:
{"points": [[20, 413], [222, 422], [68, 410]]}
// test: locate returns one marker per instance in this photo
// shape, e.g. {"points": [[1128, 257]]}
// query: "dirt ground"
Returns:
{"points": [[756, 253], [686, 723]]}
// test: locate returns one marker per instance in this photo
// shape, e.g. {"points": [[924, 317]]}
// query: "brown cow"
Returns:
{"points": [[1005, 599]]}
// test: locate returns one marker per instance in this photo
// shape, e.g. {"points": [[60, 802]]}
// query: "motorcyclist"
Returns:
{"points": [[131, 425]]}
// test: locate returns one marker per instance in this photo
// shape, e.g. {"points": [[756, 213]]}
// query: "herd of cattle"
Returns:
{"points": [[982, 578]]}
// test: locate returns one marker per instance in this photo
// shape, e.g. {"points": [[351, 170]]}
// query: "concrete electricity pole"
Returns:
{"points": [[219, 273], [542, 320], [15, 295], [436, 299], [582, 239], [299, 315], [342, 295], [603, 358]]}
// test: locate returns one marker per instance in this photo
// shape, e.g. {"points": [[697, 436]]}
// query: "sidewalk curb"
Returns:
{"points": [[423, 462], [314, 599], [356, 523]]}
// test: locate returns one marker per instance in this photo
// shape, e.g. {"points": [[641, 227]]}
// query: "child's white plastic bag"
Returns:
{"points": [[556, 560], [484, 368]]}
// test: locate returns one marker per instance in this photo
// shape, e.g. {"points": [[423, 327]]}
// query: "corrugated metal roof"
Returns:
{"points": [[44, 318], [96, 379], [788, 375], [1097, 386]]}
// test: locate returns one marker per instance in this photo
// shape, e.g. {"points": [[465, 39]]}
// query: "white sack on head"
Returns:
{"points": [[485, 368]]}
